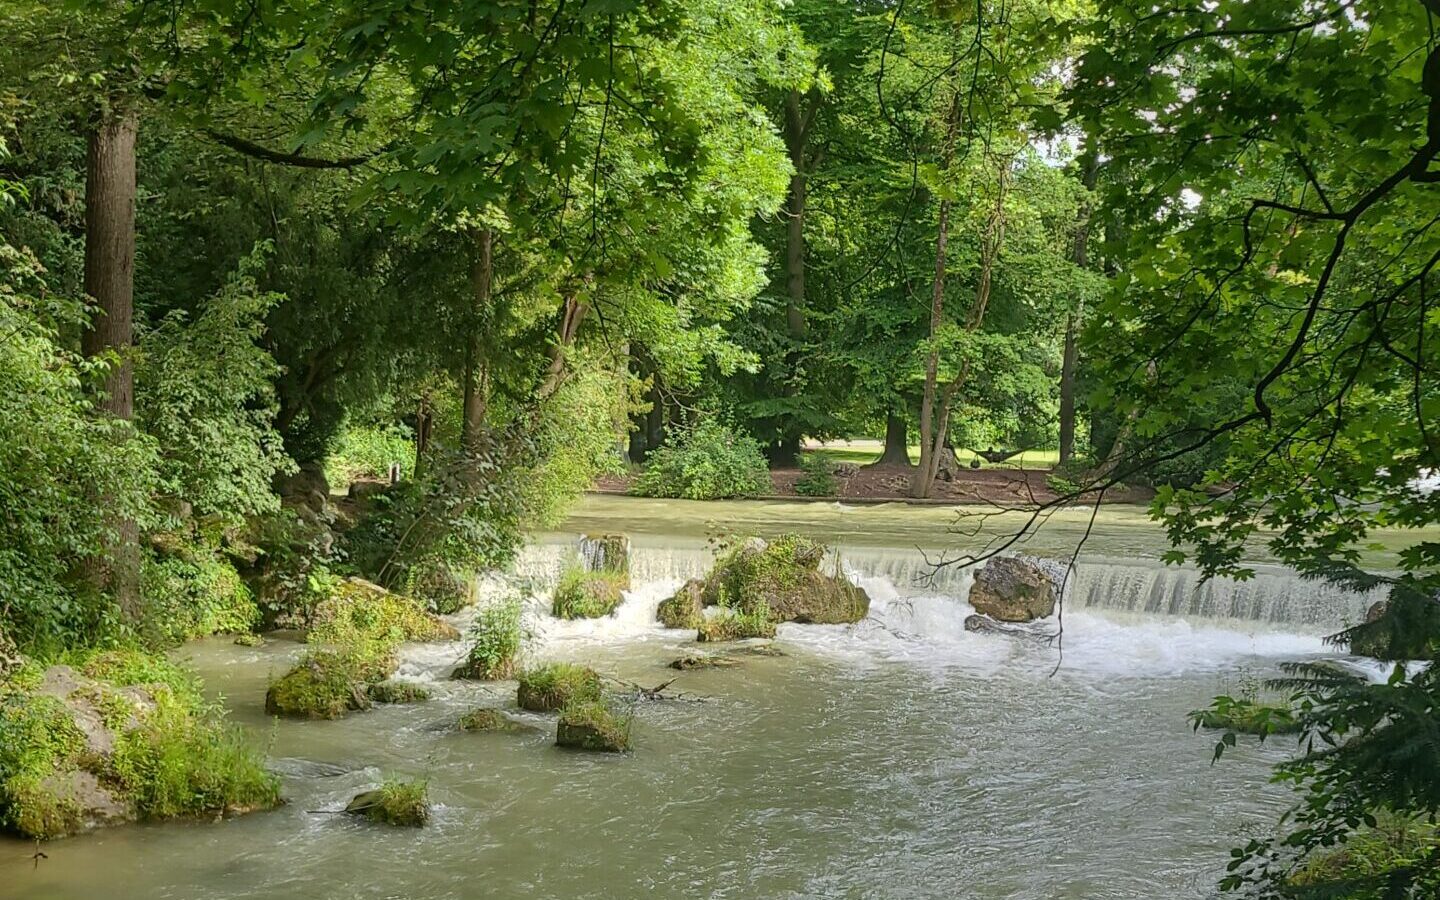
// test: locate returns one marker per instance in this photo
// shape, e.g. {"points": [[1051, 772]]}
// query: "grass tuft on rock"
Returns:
{"points": [[588, 595], [324, 685], [593, 725], [731, 625], [403, 803], [396, 692], [556, 686]]}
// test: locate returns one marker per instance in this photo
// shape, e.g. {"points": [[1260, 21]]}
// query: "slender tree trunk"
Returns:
{"points": [[655, 418], [110, 282], [797, 126], [572, 314], [477, 388], [896, 454], [1070, 359], [424, 421]]}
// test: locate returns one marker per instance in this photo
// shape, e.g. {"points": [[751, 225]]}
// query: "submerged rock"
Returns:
{"points": [[325, 685], [987, 625], [704, 661], [685, 608], [1013, 589], [396, 692], [492, 720]]}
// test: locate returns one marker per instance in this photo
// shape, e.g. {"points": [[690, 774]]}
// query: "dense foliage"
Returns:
{"points": [[709, 461]]}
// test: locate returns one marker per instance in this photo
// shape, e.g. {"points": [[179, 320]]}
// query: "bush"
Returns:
{"points": [[555, 686], [819, 477], [194, 595], [497, 634], [588, 595], [366, 452], [1361, 865], [708, 462]]}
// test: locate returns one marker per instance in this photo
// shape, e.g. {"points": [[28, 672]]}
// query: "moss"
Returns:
{"points": [[323, 685], [736, 626], [401, 803], [396, 692], [31, 808], [184, 761], [488, 719], [588, 595], [496, 634], [1359, 867], [783, 576], [125, 668], [1247, 716], [684, 609], [37, 740], [593, 725], [555, 686], [358, 614]]}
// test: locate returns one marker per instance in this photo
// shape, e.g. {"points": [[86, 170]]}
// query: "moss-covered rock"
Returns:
{"points": [[734, 626], [357, 612], [783, 577], [326, 685], [593, 725], [588, 595], [402, 803], [607, 553], [488, 718], [685, 608], [250, 640], [1361, 865], [89, 744], [396, 692], [556, 686]]}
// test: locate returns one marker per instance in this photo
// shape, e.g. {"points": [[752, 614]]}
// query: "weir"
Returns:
{"points": [[1275, 595]]}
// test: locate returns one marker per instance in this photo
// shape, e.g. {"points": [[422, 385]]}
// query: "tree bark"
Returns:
{"points": [[797, 127], [110, 282], [1070, 359], [477, 388], [896, 454], [424, 421], [571, 315]]}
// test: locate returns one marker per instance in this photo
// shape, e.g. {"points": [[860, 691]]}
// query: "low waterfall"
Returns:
{"points": [[1275, 595]]}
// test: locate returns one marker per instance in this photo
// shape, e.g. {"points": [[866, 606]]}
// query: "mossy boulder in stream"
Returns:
{"points": [[117, 737], [782, 577], [403, 803], [489, 719], [588, 595], [685, 608], [1013, 589], [396, 692], [593, 725], [556, 686], [357, 612], [327, 684], [730, 625]]}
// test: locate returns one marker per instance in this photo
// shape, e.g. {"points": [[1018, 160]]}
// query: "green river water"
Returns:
{"points": [[899, 758]]}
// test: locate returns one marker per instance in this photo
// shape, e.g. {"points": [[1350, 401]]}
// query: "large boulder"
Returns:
{"points": [[593, 725], [685, 608], [1013, 589], [782, 579]]}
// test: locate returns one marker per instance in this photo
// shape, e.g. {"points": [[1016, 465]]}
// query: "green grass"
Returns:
{"points": [[593, 725], [588, 595], [396, 802], [863, 452]]}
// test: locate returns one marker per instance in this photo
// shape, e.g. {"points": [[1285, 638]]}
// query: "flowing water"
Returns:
{"points": [[902, 757]]}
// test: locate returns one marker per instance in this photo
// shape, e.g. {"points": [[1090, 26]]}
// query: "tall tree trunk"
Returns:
{"points": [[896, 454], [797, 126], [571, 315], [110, 282], [923, 478], [424, 422], [936, 407], [477, 387], [1070, 359]]}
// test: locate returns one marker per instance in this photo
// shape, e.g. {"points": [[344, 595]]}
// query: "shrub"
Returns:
{"points": [[366, 452], [394, 803], [1247, 715], [707, 462], [819, 477], [497, 634], [588, 595], [193, 595], [593, 725], [555, 686]]}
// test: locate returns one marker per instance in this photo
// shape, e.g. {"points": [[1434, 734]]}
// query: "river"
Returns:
{"points": [[899, 758]]}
